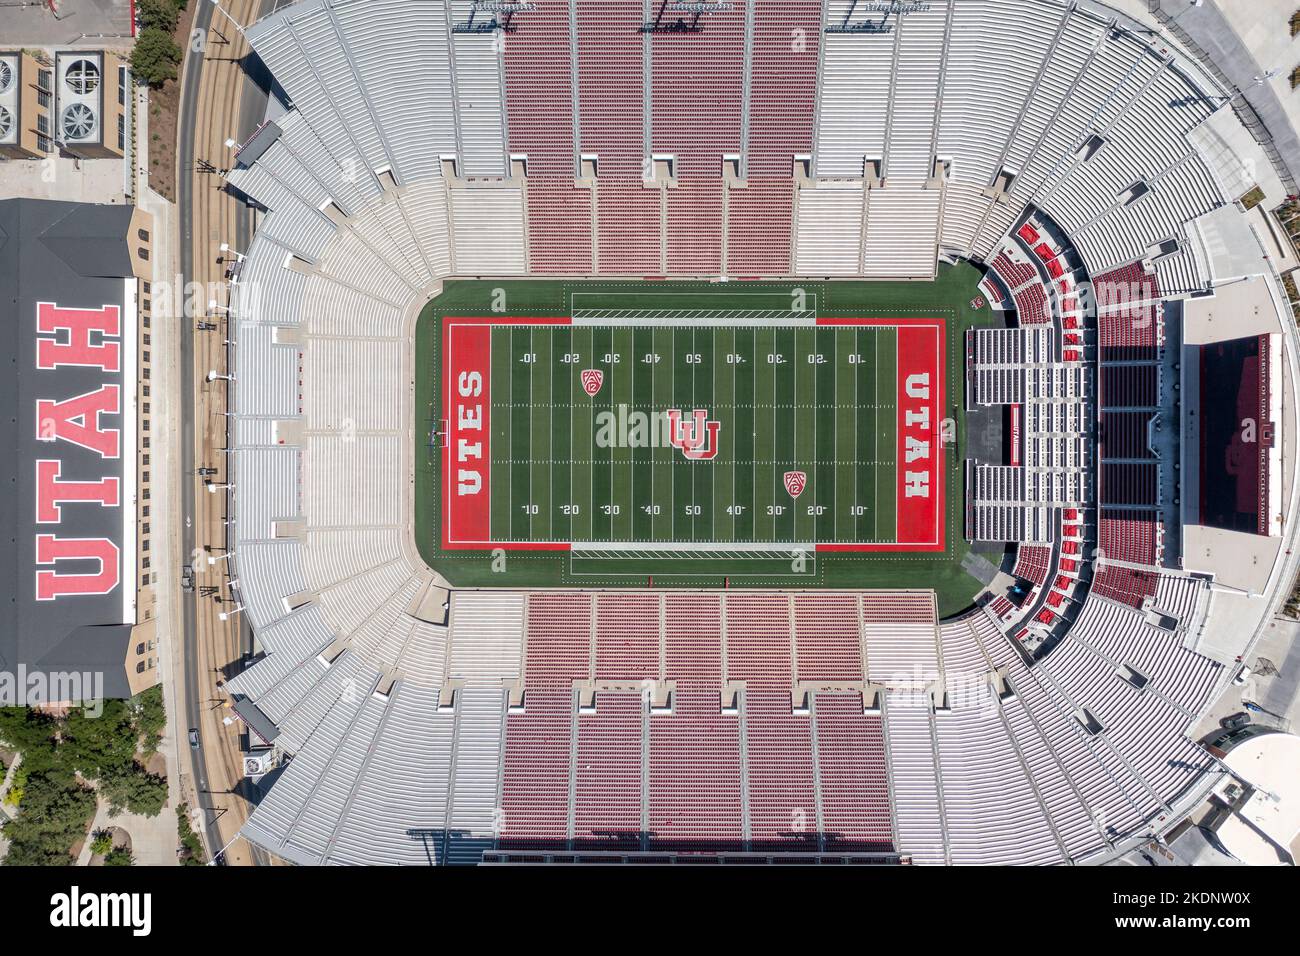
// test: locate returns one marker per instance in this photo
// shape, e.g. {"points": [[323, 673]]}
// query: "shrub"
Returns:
{"points": [[155, 57], [101, 843], [119, 857]]}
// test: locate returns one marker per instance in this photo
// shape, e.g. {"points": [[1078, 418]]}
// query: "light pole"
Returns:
{"points": [[1258, 80]]}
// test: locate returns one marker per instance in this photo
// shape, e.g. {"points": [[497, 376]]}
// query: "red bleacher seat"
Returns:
{"points": [[1129, 536], [1126, 585], [1031, 306], [1031, 563]]}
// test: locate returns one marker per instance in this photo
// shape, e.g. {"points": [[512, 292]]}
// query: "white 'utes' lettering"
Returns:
{"points": [[469, 417], [916, 437], [86, 338]]}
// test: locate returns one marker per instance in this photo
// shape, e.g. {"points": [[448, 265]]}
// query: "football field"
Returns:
{"points": [[692, 430]]}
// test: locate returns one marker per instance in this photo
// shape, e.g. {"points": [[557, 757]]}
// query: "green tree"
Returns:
{"points": [[25, 729], [96, 746], [158, 14], [150, 718], [132, 788], [54, 815], [191, 846], [155, 57], [120, 856]]}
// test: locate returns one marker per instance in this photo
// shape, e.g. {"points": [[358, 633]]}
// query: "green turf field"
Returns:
{"points": [[620, 320], [572, 467]]}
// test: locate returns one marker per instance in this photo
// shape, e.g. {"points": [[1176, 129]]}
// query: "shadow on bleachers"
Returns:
{"points": [[460, 847]]}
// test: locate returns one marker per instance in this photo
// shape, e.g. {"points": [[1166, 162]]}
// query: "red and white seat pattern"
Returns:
{"points": [[1129, 536], [733, 760], [1126, 585]]}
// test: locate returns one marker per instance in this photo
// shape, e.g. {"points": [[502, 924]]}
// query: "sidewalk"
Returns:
{"points": [[153, 839]]}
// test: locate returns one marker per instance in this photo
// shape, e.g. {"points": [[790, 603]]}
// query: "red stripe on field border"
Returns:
{"points": [[920, 525], [467, 348]]}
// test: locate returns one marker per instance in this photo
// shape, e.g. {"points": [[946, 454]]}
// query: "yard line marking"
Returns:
{"points": [[652, 450], [734, 369], [835, 440], [591, 485], [853, 475], [550, 485], [672, 471], [631, 484], [532, 348], [510, 428], [573, 339], [753, 467]]}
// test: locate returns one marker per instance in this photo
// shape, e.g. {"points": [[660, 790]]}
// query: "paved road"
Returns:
{"points": [[220, 99]]}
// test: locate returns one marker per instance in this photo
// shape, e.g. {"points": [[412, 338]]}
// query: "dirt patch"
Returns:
{"points": [[156, 764], [164, 116]]}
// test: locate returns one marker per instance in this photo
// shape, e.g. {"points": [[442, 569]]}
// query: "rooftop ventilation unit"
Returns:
{"points": [[258, 764], [9, 90], [78, 122], [80, 98], [82, 77]]}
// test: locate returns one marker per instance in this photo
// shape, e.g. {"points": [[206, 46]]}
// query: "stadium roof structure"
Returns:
{"points": [[67, 588], [625, 724]]}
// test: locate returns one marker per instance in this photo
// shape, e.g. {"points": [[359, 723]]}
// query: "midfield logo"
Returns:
{"points": [[697, 437], [592, 380]]}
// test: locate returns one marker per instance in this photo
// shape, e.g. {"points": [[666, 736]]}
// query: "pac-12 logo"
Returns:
{"points": [[592, 380], [697, 437], [795, 482]]}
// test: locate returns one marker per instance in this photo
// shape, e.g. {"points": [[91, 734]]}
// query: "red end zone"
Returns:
{"points": [[467, 458], [919, 482]]}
